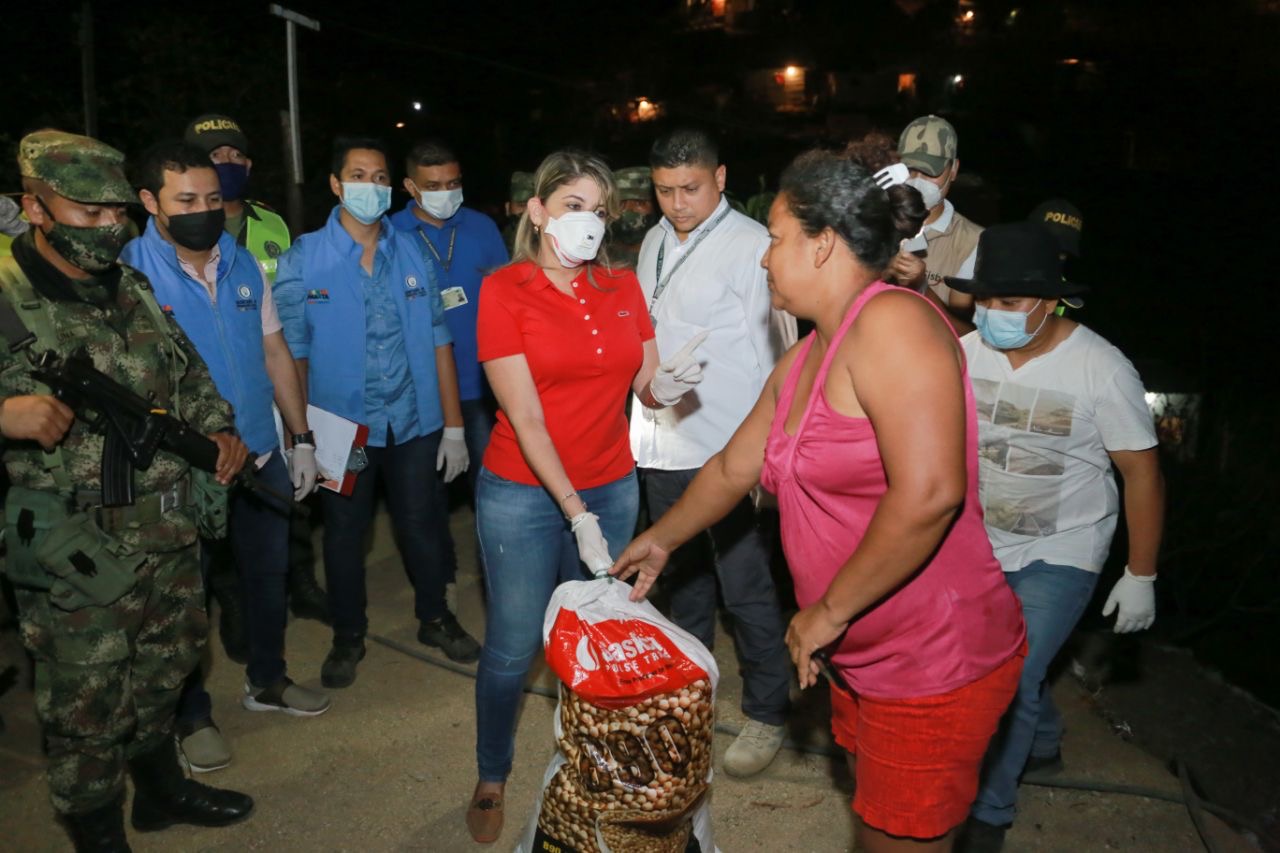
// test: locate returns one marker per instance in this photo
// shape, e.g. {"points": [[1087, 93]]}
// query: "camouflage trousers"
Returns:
{"points": [[108, 678]]}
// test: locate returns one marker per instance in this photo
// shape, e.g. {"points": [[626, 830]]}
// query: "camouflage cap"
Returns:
{"points": [[521, 187], [634, 182], [214, 131], [75, 167], [928, 144], [1064, 221]]}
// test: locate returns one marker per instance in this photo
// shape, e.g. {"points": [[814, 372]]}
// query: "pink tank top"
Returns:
{"points": [[956, 619]]}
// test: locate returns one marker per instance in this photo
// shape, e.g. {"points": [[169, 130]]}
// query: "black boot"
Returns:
{"points": [[306, 599], [163, 796], [101, 830]]}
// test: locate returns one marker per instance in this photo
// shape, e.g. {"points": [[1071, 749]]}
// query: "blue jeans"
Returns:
{"points": [[1053, 598], [733, 552], [259, 542], [477, 423], [528, 550], [406, 469]]}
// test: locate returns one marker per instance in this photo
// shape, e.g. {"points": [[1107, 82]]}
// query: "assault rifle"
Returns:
{"points": [[134, 428]]}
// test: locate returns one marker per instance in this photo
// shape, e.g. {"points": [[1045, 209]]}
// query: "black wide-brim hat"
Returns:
{"points": [[1019, 259]]}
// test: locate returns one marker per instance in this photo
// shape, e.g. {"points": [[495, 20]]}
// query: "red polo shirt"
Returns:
{"points": [[583, 351]]}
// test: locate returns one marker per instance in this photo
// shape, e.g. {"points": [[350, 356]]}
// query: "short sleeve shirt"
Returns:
{"points": [[583, 351], [1045, 432]]}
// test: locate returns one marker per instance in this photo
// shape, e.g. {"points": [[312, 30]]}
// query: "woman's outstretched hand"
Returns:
{"points": [[644, 559]]}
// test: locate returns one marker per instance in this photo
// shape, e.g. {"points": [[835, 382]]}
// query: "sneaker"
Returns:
{"points": [[1043, 765], [446, 634], [339, 668], [285, 696], [753, 749], [978, 836], [202, 747]]}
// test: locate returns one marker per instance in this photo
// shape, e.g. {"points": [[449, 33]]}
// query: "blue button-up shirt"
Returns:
{"points": [[390, 393]]}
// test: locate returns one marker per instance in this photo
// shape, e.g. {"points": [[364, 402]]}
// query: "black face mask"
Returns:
{"points": [[197, 231]]}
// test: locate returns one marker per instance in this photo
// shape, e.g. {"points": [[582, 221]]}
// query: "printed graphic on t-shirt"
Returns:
{"points": [[1022, 446]]}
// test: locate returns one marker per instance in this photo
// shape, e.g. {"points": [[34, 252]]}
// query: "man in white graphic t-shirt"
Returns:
{"points": [[1059, 410]]}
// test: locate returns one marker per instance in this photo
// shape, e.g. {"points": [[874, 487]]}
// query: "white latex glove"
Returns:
{"points": [[1135, 595], [303, 470], [452, 456], [592, 548], [678, 374]]}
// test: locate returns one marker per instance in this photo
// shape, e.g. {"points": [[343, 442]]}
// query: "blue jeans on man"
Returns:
{"points": [[259, 543], [528, 550], [407, 470], [1053, 598]]}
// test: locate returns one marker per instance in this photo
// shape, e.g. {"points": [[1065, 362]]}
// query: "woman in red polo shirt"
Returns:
{"points": [[564, 339]]}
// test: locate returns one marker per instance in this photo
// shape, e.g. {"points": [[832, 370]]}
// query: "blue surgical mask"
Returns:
{"points": [[1005, 329], [232, 179], [366, 201]]}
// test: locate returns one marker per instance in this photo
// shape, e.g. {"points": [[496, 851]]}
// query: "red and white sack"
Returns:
{"points": [[632, 772]]}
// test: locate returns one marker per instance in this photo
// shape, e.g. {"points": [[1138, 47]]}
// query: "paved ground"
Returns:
{"points": [[391, 766]]}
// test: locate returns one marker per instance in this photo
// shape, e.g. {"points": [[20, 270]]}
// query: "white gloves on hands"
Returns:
{"points": [[1135, 596], [452, 456], [303, 471], [677, 375], [592, 548]]}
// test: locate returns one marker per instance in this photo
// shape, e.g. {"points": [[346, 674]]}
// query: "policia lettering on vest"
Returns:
{"points": [[110, 600]]}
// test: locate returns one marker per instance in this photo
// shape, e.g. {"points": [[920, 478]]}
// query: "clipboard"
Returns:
{"points": [[336, 439]]}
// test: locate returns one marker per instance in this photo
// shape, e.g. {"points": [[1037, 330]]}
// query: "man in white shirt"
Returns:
{"points": [[928, 147], [700, 271], [1058, 407]]}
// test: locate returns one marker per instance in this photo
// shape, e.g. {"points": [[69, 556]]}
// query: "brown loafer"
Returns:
{"points": [[484, 817]]}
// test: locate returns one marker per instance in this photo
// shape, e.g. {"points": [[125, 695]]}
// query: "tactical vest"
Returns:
{"points": [[265, 235], [947, 252]]}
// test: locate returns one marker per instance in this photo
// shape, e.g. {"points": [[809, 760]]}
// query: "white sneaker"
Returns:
{"points": [[753, 749]]}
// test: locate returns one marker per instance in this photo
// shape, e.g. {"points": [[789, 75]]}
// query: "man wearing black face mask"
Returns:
{"points": [[264, 233], [219, 295], [109, 598]]}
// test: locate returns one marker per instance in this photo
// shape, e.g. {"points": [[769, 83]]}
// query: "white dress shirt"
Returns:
{"points": [[721, 289]]}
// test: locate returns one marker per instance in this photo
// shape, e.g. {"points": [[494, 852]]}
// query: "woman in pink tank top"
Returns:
{"points": [[867, 434]]}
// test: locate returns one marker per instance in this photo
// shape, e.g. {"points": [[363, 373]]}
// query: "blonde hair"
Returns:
{"points": [[560, 168]]}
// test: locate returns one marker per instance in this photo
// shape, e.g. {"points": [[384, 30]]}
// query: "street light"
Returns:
{"points": [[417, 106]]}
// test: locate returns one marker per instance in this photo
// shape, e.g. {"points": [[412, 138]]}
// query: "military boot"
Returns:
{"points": [[306, 599], [164, 796], [101, 830]]}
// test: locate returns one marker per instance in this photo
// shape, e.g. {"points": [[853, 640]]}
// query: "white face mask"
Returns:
{"points": [[441, 204], [929, 191], [575, 237]]}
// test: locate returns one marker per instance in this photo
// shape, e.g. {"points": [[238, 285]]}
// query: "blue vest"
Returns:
{"points": [[335, 319], [228, 335]]}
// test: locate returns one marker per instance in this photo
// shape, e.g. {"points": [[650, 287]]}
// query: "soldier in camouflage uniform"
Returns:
{"points": [[110, 600], [635, 197], [521, 191]]}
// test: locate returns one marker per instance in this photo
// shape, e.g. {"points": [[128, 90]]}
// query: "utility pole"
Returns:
{"points": [[291, 21], [87, 87]]}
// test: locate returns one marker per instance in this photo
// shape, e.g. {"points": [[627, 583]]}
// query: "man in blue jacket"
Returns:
{"points": [[462, 246], [363, 318], [218, 294]]}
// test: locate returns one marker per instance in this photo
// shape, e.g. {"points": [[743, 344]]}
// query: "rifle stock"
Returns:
{"points": [[134, 428]]}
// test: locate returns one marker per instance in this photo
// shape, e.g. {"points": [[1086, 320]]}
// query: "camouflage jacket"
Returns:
{"points": [[122, 338]]}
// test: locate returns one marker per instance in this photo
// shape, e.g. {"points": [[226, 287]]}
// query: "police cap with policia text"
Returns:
{"points": [[1064, 221], [214, 131], [76, 167]]}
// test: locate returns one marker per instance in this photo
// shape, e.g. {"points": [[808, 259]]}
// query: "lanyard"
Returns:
{"points": [[662, 256], [447, 261]]}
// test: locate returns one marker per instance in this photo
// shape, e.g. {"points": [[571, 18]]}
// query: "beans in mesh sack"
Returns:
{"points": [[633, 728]]}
